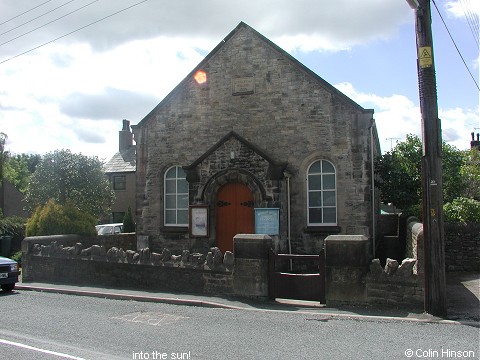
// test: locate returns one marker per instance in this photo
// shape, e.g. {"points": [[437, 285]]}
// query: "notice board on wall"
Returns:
{"points": [[267, 221]]}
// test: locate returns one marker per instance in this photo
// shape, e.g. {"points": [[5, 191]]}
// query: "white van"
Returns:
{"points": [[109, 229]]}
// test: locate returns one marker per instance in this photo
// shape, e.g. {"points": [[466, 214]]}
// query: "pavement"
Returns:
{"points": [[463, 302]]}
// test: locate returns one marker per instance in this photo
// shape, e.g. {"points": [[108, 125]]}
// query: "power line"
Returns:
{"points": [[38, 17], [456, 47], [472, 19], [50, 22], [24, 12], [74, 31]]}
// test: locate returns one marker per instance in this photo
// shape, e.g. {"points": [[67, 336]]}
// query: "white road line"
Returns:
{"points": [[28, 347]]}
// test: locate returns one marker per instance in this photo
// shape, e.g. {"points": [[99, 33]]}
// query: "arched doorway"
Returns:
{"points": [[234, 214]]}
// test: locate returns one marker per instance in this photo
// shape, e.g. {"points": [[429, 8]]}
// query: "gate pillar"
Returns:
{"points": [[347, 259], [250, 274]]}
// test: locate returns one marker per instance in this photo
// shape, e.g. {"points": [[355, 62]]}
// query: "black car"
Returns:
{"points": [[8, 273]]}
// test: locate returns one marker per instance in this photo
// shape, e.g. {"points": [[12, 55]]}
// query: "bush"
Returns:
{"points": [[17, 256], [13, 226], [128, 223], [56, 219], [462, 210]]}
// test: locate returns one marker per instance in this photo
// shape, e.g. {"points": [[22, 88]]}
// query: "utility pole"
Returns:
{"points": [[432, 197]]}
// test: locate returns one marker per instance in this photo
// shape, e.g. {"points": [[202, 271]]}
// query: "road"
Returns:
{"points": [[36, 325]]}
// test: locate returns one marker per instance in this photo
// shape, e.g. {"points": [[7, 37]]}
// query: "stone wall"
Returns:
{"points": [[395, 285], [124, 241], [414, 244], [462, 247], [55, 259]]}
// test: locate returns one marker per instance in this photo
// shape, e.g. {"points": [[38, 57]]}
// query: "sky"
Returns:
{"points": [[71, 70]]}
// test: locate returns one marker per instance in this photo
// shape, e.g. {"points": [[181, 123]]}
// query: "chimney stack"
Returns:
{"points": [[125, 136], [475, 143]]}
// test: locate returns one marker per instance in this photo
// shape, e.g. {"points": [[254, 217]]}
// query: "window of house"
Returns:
{"points": [[119, 182], [322, 194], [176, 197]]}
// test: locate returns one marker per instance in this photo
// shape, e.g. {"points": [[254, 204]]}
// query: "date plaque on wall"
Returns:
{"points": [[243, 86]]}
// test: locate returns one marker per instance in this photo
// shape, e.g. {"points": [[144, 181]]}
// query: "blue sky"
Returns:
{"points": [[74, 92]]}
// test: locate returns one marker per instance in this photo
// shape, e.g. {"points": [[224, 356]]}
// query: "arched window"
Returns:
{"points": [[176, 197], [322, 194]]}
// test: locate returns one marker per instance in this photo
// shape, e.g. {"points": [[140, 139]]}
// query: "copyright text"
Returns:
{"points": [[442, 353]]}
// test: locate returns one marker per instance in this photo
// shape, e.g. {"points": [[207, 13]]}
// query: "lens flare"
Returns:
{"points": [[200, 77]]}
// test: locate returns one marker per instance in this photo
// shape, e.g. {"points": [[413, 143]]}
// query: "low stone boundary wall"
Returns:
{"points": [[353, 278], [414, 244], [395, 285], [55, 259], [462, 247], [126, 241]]}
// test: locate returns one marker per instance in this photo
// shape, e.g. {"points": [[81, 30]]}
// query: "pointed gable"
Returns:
{"points": [[235, 148], [243, 29]]}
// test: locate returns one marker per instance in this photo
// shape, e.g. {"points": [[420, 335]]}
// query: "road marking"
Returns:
{"points": [[150, 318], [28, 347]]}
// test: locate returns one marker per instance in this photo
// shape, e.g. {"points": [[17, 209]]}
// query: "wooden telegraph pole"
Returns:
{"points": [[432, 198]]}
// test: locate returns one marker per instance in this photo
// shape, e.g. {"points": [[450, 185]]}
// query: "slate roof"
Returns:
{"points": [[122, 162]]}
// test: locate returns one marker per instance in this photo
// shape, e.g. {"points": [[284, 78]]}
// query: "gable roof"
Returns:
{"points": [[122, 162], [240, 26], [234, 135]]}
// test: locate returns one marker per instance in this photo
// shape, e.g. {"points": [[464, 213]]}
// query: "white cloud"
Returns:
{"points": [[72, 93], [396, 116], [337, 24], [459, 8]]}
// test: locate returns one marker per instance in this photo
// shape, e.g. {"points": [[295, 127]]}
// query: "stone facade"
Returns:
{"points": [[462, 247], [260, 117]]}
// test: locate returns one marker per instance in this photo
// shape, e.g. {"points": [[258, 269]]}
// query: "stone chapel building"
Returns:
{"points": [[253, 141]]}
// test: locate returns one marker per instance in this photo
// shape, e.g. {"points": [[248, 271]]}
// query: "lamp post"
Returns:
{"points": [[432, 198]]}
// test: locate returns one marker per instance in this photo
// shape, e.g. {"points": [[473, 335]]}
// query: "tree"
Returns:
{"points": [[128, 223], [70, 178], [470, 174], [462, 210], [3, 153], [19, 168], [400, 174]]}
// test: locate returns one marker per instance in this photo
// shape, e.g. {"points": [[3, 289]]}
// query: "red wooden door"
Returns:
{"points": [[234, 214]]}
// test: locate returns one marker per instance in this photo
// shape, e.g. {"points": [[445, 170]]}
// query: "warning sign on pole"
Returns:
{"points": [[425, 56]]}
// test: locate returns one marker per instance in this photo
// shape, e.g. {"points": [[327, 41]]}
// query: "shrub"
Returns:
{"points": [[56, 219], [128, 223], [462, 210], [13, 226]]}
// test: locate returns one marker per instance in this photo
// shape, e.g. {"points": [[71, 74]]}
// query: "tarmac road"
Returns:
{"points": [[40, 325]]}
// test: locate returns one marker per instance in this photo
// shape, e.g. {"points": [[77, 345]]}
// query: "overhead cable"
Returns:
{"points": [[472, 19], [456, 47], [50, 22], [38, 17], [74, 31], [12, 18]]}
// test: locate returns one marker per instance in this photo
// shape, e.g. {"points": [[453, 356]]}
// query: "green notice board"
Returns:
{"points": [[267, 221]]}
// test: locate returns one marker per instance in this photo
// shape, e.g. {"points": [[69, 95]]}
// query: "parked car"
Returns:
{"points": [[109, 229], [8, 273]]}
